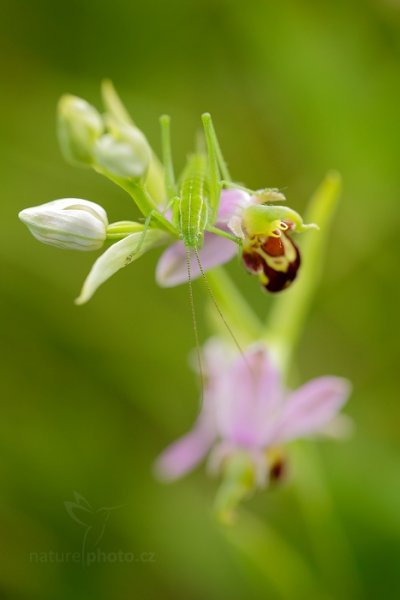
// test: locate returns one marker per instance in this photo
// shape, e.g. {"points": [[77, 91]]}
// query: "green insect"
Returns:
{"points": [[194, 201]]}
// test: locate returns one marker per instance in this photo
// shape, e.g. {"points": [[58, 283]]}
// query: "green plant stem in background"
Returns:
{"points": [[286, 319], [239, 315], [281, 333], [285, 570]]}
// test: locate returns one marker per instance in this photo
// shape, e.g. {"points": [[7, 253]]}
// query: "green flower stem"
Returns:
{"points": [[245, 324], [286, 319], [281, 565], [146, 205], [142, 199]]}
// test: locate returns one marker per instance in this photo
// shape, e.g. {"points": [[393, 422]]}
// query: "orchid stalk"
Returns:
{"points": [[281, 333], [285, 322], [249, 415]]}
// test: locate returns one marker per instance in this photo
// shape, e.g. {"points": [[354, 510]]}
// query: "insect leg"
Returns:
{"points": [[169, 176], [208, 124], [144, 232], [214, 177]]}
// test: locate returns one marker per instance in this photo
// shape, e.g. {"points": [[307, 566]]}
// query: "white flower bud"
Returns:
{"points": [[69, 223], [124, 152], [79, 126]]}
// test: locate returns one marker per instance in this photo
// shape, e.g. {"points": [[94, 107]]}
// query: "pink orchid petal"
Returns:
{"points": [[172, 267], [249, 395], [231, 203], [310, 408], [217, 357], [184, 454]]}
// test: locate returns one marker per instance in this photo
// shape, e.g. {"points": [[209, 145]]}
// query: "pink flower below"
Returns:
{"points": [[246, 408]]}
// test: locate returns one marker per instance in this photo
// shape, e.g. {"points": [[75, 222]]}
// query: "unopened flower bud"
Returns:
{"points": [[69, 223], [124, 152], [79, 126]]}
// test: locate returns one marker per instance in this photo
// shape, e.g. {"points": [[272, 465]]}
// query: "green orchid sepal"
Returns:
{"points": [[119, 255], [260, 219]]}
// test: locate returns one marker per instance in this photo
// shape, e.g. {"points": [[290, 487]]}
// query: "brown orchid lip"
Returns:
{"points": [[280, 280], [253, 262], [275, 260], [273, 246], [278, 470]]}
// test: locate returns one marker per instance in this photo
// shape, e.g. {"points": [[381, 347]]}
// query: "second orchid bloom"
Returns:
{"points": [[247, 418]]}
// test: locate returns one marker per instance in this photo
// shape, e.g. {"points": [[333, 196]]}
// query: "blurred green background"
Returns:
{"points": [[91, 395]]}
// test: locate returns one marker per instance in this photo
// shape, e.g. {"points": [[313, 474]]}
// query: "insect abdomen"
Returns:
{"points": [[191, 213]]}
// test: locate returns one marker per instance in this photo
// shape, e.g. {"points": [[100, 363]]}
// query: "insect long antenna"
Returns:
{"points": [[219, 311], [194, 322]]}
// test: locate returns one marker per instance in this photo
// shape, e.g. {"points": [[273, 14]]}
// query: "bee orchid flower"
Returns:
{"points": [[262, 231], [268, 249]]}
